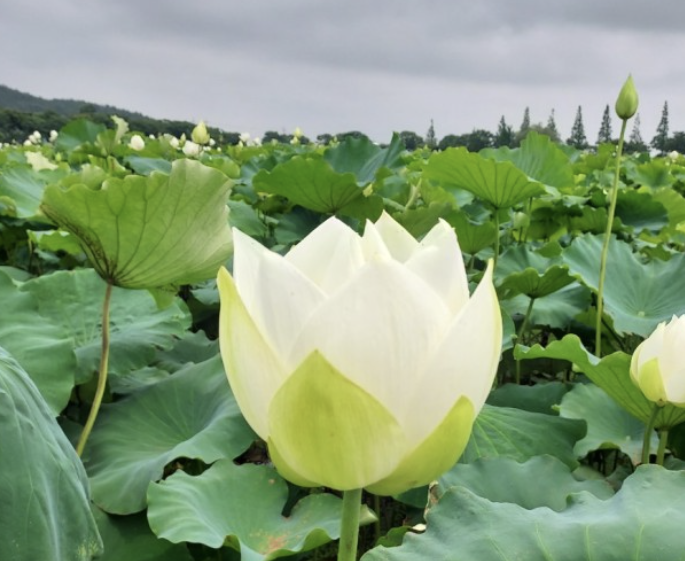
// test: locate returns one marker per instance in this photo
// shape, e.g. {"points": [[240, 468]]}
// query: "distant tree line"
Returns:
{"points": [[24, 113]]}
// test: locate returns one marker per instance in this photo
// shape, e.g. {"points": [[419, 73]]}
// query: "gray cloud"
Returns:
{"points": [[328, 67]]}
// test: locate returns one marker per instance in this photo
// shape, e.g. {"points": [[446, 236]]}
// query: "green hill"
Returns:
{"points": [[25, 102], [22, 113]]}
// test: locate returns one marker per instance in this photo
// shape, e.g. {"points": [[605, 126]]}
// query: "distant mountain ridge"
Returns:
{"points": [[21, 101]]}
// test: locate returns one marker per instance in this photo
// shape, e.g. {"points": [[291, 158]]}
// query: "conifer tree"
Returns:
{"points": [[660, 141], [604, 134], [551, 128], [635, 142], [431, 140], [504, 135], [525, 124], [578, 138]]}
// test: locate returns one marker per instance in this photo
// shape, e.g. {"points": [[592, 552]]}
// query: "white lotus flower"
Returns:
{"points": [[657, 366], [191, 148], [361, 360], [137, 142], [53, 135]]}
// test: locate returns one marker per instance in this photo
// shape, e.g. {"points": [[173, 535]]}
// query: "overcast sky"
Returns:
{"points": [[332, 66]]}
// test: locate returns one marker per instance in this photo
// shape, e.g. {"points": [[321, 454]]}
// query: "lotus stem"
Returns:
{"points": [[607, 239], [349, 526], [102, 374], [649, 429], [661, 450], [519, 335]]}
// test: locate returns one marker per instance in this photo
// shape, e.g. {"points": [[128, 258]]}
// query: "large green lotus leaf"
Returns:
{"points": [[191, 414], [608, 425], [364, 158], [310, 183], [39, 344], [540, 398], [642, 522], [641, 211], [73, 300], [418, 221], [130, 538], [472, 237], [145, 166], [556, 310], [517, 434], [25, 187], [539, 158], [611, 373], [674, 203], [242, 506], [501, 184], [78, 132], [526, 272], [637, 296], [45, 510], [148, 232], [540, 481], [653, 174]]}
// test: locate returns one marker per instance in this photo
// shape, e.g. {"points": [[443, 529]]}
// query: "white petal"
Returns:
{"points": [[464, 364], [400, 243], [278, 297], [379, 330], [439, 262], [652, 346], [671, 355], [329, 256]]}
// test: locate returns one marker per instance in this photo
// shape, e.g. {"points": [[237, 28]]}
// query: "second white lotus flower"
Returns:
{"points": [[362, 361], [657, 366]]}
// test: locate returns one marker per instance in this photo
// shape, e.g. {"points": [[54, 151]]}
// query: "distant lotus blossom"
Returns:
{"points": [[244, 137], [53, 135], [191, 148], [34, 138], [136, 143], [674, 155]]}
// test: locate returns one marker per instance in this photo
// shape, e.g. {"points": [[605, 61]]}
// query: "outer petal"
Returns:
{"points": [[278, 297], [439, 262], [379, 331], [435, 455], [328, 430], [328, 256], [400, 243], [464, 364], [651, 382], [253, 370]]}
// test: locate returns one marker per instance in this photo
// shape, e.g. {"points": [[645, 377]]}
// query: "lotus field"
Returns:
{"points": [[346, 351]]}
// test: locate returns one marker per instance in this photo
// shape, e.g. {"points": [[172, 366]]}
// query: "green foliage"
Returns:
{"points": [[45, 512], [171, 451], [242, 507]]}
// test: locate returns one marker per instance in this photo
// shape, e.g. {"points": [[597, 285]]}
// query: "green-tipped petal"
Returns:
{"points": [[330, 431], [651, 381], [285, 470], [434, 456], [253, 370]]}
